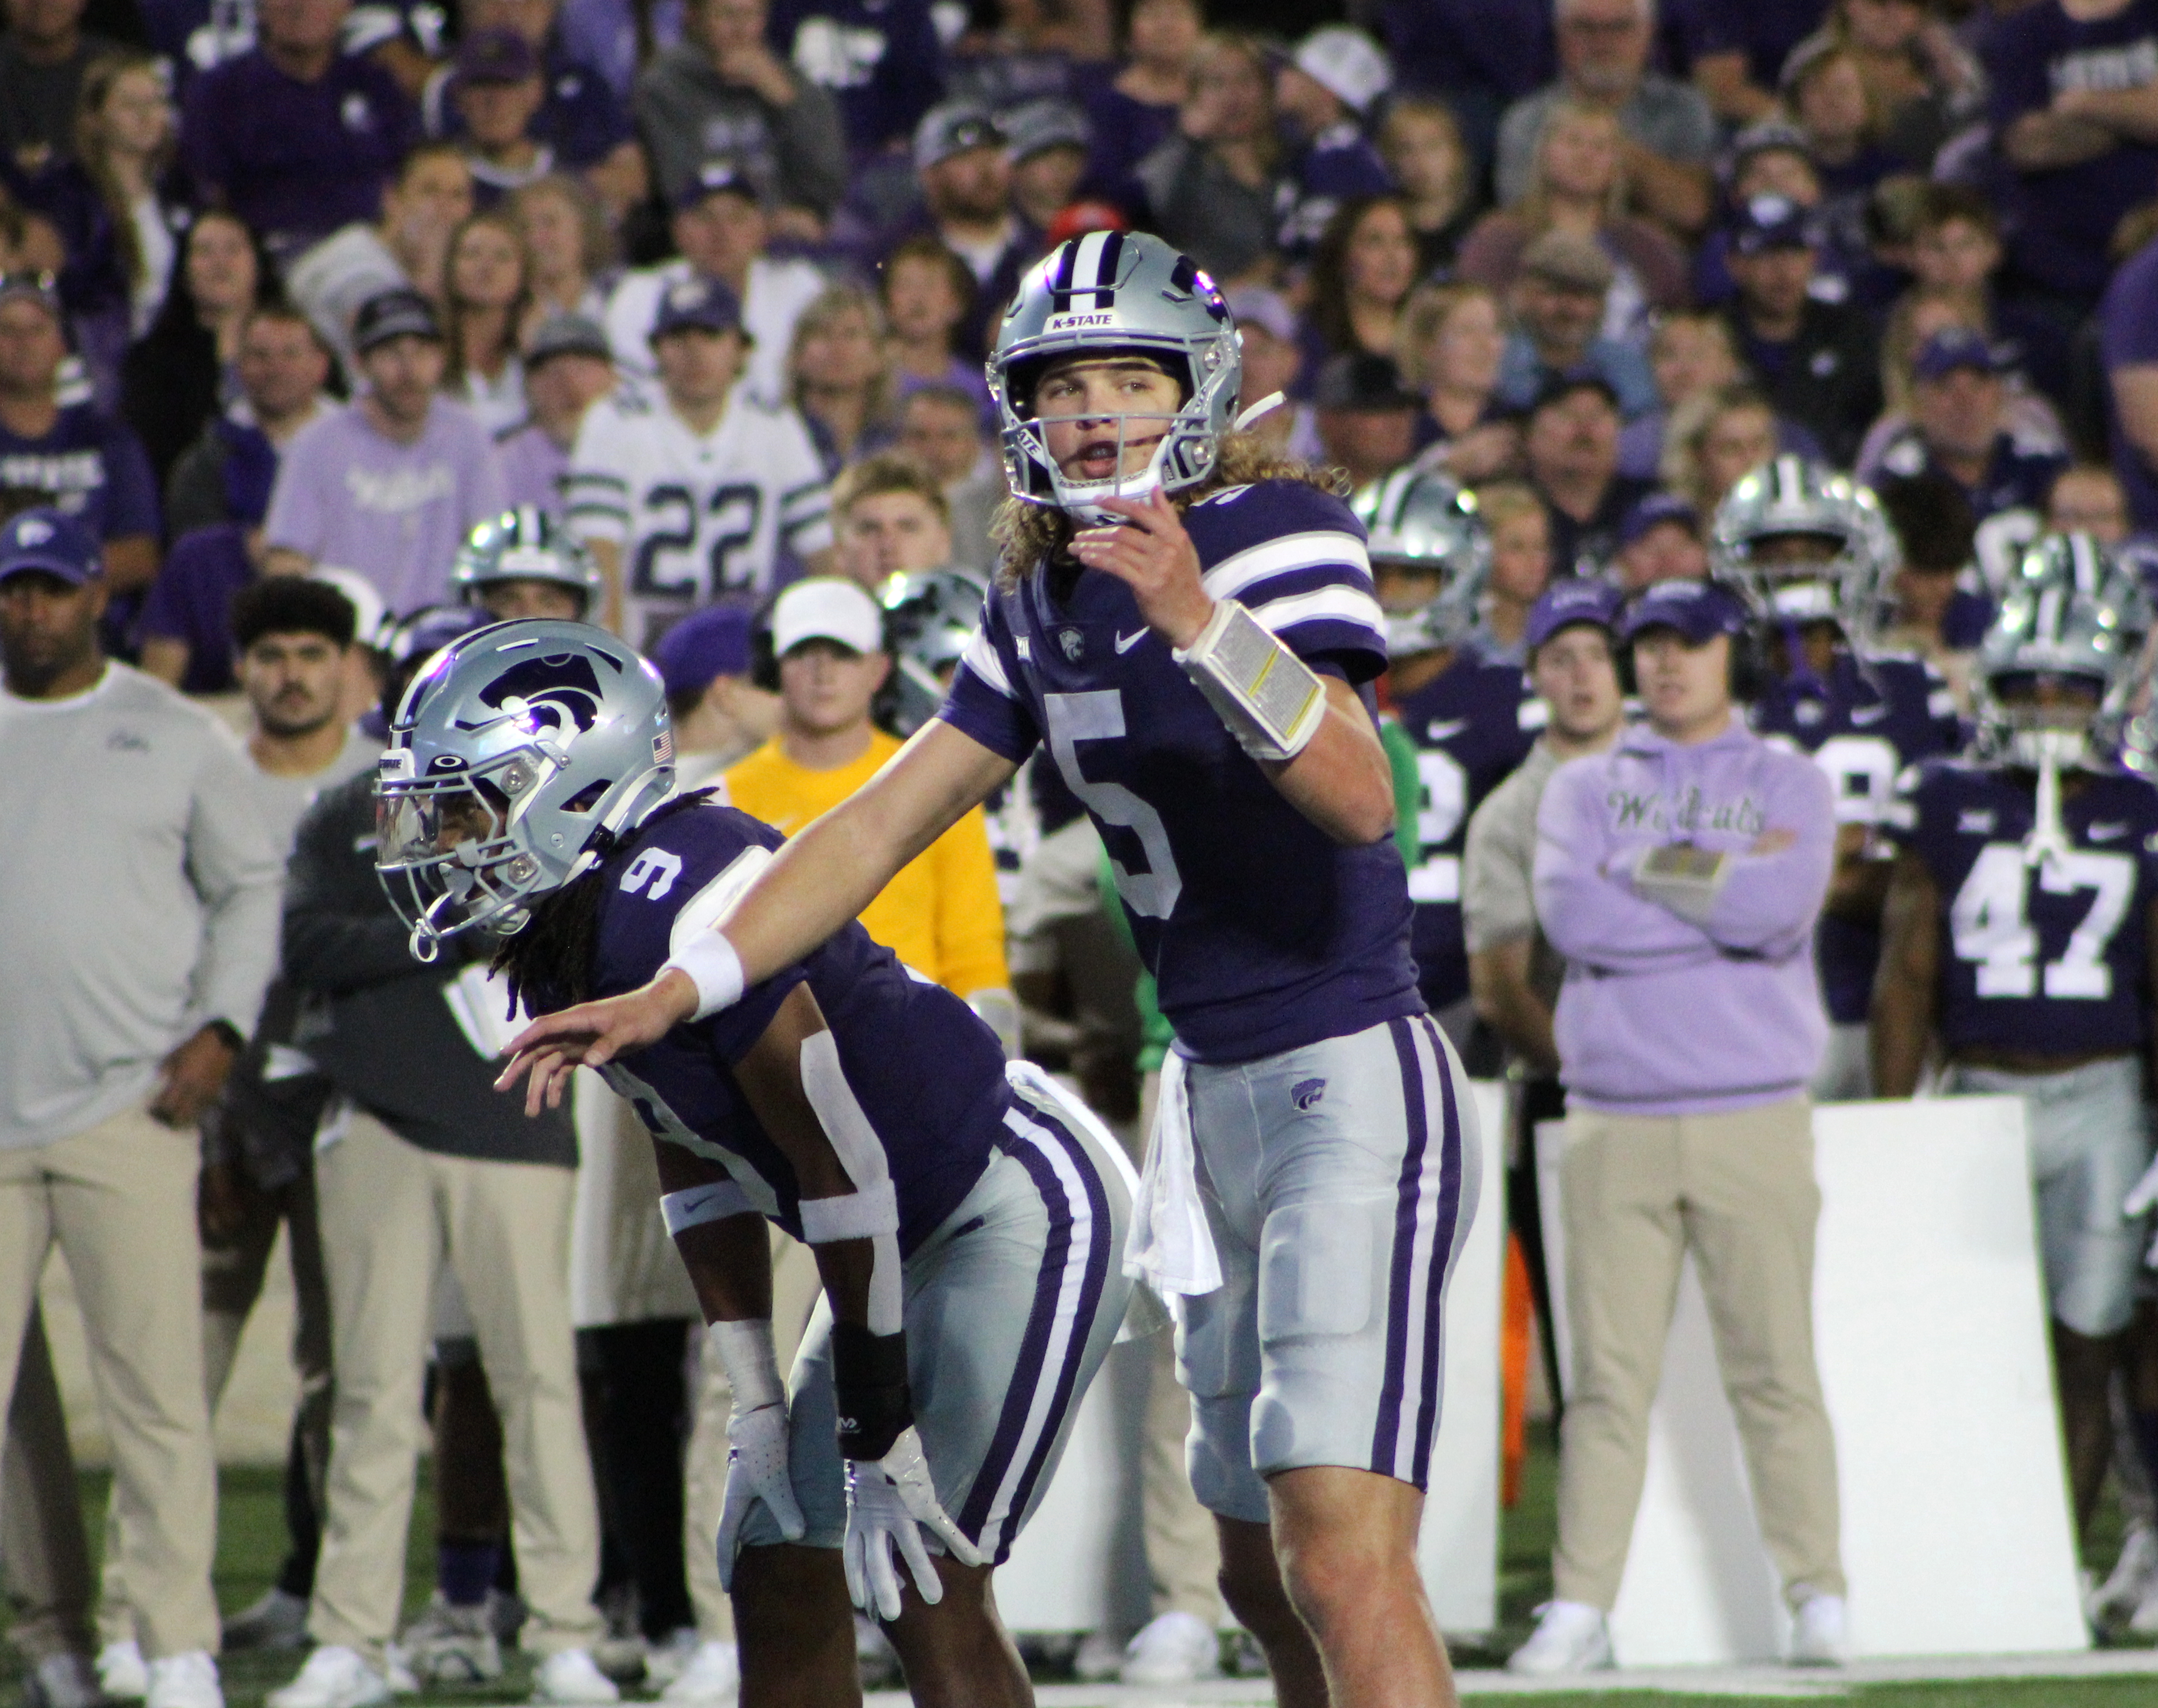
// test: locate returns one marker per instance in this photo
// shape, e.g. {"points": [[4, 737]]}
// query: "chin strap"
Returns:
{"points": [[2049, 837], [1265, 406]]}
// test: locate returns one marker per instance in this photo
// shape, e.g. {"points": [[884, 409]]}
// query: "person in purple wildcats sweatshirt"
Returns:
{"points": [[1681, 872]]}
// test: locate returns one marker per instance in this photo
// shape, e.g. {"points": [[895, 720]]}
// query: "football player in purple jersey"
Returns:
{"points": [[2021, 933], [1472, 718], [1814, 556], [1186, 623], [966, 1219]]}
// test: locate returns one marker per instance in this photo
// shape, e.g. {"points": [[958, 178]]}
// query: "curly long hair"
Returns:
{"points": [[1027, 534]]}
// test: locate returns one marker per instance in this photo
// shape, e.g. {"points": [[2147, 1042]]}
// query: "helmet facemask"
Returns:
{"points": [[1183, 453], [449, 851]]}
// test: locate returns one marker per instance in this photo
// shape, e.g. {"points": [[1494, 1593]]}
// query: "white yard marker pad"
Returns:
{"points": [[1930, 1325]]}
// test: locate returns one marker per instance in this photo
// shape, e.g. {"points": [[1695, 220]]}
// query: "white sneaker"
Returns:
{"points": [[571, 1675], [449, 1644], [713, 1674], [1173, 1648], [64, 1680], [1820, 1633], [123, 1672], [277, 1621], [334, 1677], [1571, 1637], [184, 1681], [2133, 1577]]}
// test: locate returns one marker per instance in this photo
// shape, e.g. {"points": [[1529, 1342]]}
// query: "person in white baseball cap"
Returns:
{"points": [[1330, 91]]}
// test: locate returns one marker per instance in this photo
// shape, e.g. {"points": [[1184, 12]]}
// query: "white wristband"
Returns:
{"points": [[1270, 699], [746, 1353], [713, 966]]}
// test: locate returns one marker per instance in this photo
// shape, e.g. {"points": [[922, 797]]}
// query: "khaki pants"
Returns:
{"points": [[1737, 1189], [390, 1213], [119, 1200], [45, 1557]]}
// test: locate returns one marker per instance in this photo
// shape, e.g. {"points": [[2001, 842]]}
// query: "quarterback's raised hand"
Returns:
{"points": [[1154, 557], [593, 1033]]}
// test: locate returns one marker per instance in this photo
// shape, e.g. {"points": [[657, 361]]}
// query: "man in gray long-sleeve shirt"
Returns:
{"points": [[138, 901]]}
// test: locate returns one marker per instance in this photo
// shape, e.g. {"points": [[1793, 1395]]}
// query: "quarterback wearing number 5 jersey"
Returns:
{"points": [[2020, 923]]}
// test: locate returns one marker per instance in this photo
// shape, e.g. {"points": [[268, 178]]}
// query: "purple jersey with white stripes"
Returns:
{"points": [[1471, 723], [2045, 959], [1263, 933], [1864, 726], [928, 1075]]}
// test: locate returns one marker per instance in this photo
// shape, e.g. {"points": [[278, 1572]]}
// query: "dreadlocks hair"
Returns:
{"points": [[553, 956], [1027, 534]]}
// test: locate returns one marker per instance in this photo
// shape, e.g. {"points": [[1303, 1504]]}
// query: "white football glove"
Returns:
{"points": [[757, 1470], [888, 1501]]}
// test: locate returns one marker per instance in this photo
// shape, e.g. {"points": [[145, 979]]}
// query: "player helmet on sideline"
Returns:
{"points": [[929, 616], [524, 544], [1422, 522], [2069, 610], [1845, 551], [516, 757], [1116, 293]]}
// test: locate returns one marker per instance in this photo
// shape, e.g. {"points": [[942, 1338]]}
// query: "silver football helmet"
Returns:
{"points": [[929, 618], [2070, 610], [516, 757], [524, 544], [1791, 498], [1424, 521], [1112, 292]]}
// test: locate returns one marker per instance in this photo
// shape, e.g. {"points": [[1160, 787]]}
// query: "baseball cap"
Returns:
{"points": [[1768, 222], [705, 645], [1652, 513], [1038, 126], [1569, 260], [45, 540], [1577, 599], [41, 288], [1264, 307], [718, 178], [402, 312], [1698, 609], [1556, 388], [826, 608], [566, 335], [1951, 347], [697, 304], [1768, 137], [1364, 383], [1346, 62], [953, 127], [496, 56]]}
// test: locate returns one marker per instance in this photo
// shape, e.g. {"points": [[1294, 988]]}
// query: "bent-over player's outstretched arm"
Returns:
{"points": [[818, 882]]}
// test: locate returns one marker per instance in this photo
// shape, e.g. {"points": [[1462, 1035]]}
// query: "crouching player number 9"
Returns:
{"points": [[1187, 623], [966, 1220]]}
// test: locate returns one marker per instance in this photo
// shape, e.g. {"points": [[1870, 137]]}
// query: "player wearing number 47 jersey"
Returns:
{"points": [[2022, 932], [1187, 625], [1813, 553], [697, 491]]}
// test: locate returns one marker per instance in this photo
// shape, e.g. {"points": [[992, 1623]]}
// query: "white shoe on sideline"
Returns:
{"points": [[334, 1677], [1571, 1637], [1820, 1633], [185, 1680], [63, 1681], [712, 1674], [669, 1657], [450, 1644], [279, 1620], [1173, 1648], [123, 1672], [571, 1675]]}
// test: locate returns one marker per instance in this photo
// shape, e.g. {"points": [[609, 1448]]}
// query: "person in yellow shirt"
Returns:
{"points": [[940, 915]]}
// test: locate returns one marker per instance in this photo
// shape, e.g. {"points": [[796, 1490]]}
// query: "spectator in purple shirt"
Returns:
{"points": [[568, 367], [1734, 52], [281, 367], [1328, 91], [967, 203], [2128, 325], [2075, 112], [1960, 428], [1680, 874], [89, 466], [1481, 55], [1135, 112], [390, 487], [880, 60], [297, 138]]}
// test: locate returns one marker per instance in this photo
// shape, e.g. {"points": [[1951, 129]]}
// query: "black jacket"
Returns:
{"points": [[377, 1020], [1828, 380]]}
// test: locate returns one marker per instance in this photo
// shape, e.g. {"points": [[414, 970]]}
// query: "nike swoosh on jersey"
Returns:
{"points": [[1126, 642], [1445, 727]]}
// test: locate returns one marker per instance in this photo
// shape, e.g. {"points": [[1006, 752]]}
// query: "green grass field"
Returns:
{"points": [[251, 1541]]}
